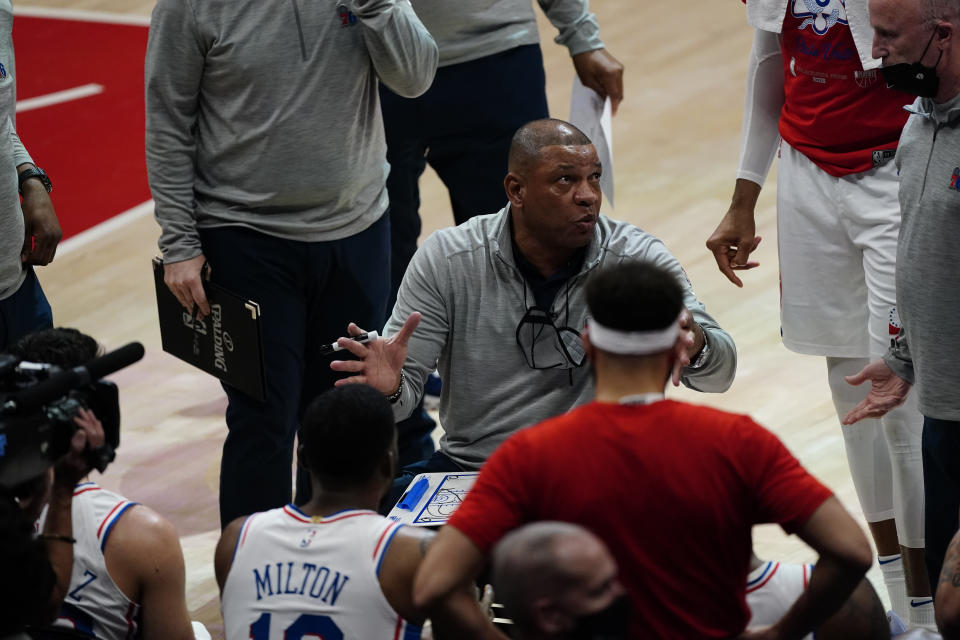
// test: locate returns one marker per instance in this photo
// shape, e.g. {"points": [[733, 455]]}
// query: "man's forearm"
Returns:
{"points": [[403, 52], [762, 105], [720, 364], [58, 534], [459, 617], [173, 73], [831, 583]]}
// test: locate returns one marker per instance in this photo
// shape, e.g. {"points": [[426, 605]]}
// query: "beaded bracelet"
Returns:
{"points": [[396, 394]]}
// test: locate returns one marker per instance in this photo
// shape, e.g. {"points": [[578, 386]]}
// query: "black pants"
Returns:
{"points": [[308, 292], [462, 126], [25, 311], [941, 488]]}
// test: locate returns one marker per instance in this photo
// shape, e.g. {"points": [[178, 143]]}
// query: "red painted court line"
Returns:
{"points": [[92, 147]]}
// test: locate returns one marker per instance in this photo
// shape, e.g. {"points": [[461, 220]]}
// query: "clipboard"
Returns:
{"points": [[226, 344], [432, 498]]}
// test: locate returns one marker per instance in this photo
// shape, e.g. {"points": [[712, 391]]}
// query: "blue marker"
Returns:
{"points": [[412, 497]]}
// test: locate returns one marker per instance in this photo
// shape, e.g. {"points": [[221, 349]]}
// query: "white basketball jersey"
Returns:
{"points": [[772, 589], [296, 577], [94, 603]]}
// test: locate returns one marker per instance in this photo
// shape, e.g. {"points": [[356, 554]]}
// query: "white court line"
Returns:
{"points": [[107, 226], [86, 16], [83, 91]]}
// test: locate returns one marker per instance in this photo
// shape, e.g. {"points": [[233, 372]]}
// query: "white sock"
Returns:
{"points": [[892, 569], [921, 613]]}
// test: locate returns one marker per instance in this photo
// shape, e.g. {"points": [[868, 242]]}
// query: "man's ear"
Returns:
{"points": [[514, 186], [388, 465], [588, 347]]}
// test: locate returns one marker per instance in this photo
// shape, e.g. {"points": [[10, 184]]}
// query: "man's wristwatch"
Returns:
{"points": [[702, 356], [39, 174]]}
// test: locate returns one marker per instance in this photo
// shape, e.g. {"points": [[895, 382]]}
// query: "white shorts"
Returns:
{"points": [[772, 588], [838, 246]]}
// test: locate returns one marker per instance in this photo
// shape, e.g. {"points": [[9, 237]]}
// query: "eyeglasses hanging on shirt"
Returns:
{"points": [[547, 346]]}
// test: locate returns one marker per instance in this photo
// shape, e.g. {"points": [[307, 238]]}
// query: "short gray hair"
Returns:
{"points": [[527, 566], [934, 10]]}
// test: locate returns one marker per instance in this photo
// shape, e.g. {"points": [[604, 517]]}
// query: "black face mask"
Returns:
{"points": [[915, 78], [610, 623]]}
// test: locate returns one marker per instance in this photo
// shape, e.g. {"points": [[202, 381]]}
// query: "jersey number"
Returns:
{"points": [[304, 625]]}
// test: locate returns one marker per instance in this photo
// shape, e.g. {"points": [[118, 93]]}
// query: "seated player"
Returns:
{"points": [[333, 567], [773, 587], [128, 574]]}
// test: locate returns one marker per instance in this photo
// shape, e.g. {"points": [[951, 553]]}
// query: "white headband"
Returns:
{"points": [[632, 343]]}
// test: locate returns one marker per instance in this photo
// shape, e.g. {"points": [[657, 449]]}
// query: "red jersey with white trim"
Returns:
{"points": [[843, 118], [772, 589], [94, 604], [295, 576]]}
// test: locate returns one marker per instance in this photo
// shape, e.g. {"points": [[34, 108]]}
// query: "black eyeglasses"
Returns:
{"points": [[547, 346]]}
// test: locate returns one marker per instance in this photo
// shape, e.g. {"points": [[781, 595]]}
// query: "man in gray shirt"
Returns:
{"points": [[266, 159], [498, 302], [490, 82], [29, 231], [917, 40]]}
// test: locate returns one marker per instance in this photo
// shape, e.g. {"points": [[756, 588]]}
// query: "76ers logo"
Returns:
{"points": [[894, 322], [819, 15]]}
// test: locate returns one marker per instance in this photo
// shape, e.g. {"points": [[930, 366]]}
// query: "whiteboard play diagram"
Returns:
{"points": [[446, 499]]}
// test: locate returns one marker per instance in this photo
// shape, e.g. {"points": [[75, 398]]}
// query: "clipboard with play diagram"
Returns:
{"points": [[226, 344]]}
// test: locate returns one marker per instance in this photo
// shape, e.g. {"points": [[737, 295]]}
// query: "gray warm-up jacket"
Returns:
{"points": [[466, 284], [467, 31], [12, 154], [927, 351], [265, 114]]}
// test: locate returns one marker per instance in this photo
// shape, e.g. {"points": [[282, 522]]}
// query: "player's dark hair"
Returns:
{"points": [[28, 578], [61, 346], [346, 433], [634, 296], [532, 137]]}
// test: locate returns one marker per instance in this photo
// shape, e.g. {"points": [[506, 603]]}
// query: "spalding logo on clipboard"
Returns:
{"points": [[226, 343]]}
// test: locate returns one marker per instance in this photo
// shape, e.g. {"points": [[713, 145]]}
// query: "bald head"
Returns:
{"points": [[531, 138], [547, 560]]}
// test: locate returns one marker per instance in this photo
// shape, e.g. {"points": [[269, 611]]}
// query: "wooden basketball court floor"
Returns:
{"points": [[676, 142]]}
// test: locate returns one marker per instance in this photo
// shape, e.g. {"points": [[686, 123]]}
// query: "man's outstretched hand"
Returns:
{"points": [[888, 390], [380, 360]]}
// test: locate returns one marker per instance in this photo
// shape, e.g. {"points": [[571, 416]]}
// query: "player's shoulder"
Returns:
{"points": [[141, 529]]}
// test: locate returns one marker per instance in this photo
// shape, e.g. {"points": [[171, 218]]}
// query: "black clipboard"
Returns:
{"points": [[226, 344]]}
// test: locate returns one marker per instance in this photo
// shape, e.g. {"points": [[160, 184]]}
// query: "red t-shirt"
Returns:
{"points": [[843, 118], [672, 488]]}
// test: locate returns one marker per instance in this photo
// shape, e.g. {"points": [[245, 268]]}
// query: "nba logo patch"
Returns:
{"points": [[307, 539], [894, 322], [3, 71], [955, 178]]}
